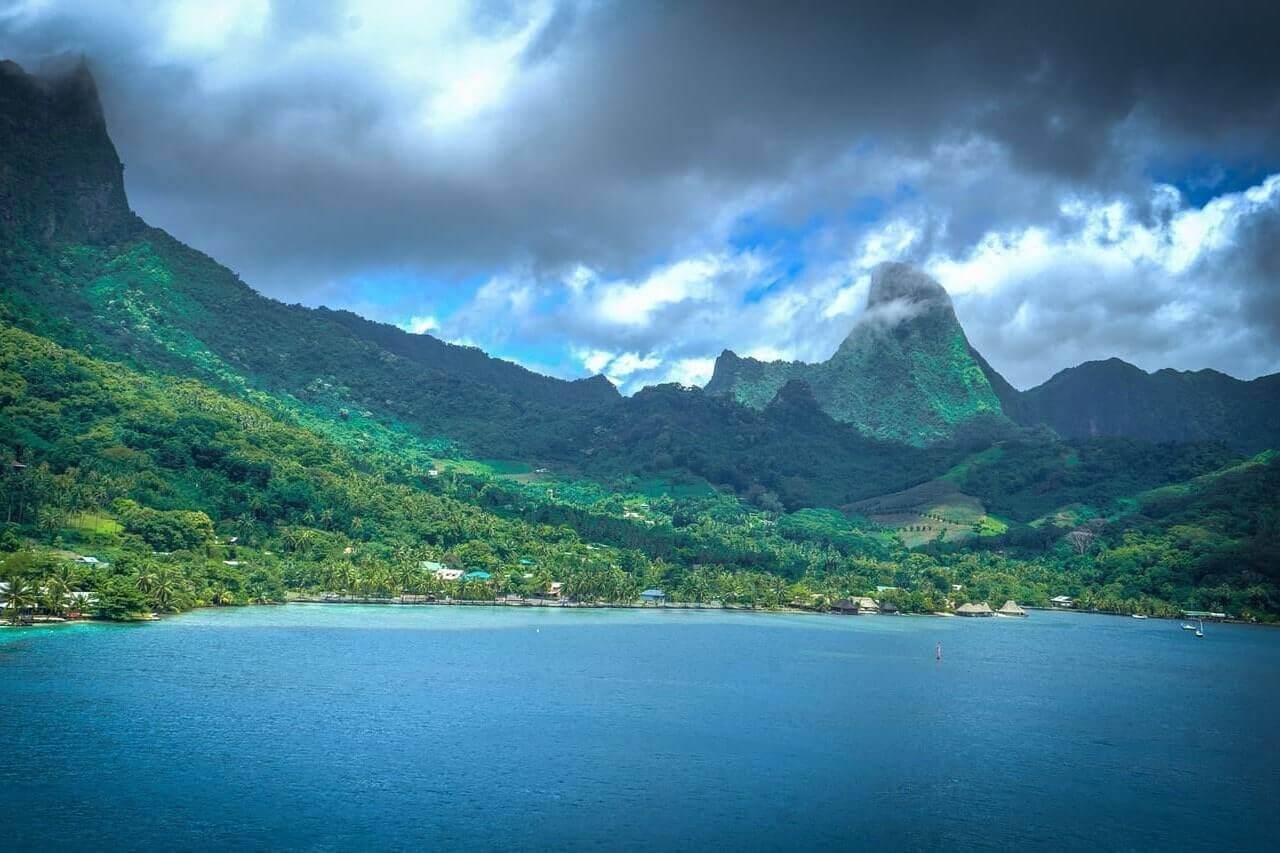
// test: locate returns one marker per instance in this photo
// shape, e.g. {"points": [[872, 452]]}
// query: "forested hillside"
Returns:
{"points": [[1113, 398], [906, 373], [214, 446]]}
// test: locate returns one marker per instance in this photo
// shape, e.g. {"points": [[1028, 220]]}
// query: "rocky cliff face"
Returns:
{"points": [[60, 177], [905, 373]]}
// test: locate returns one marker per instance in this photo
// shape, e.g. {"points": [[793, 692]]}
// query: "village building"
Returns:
{"points": [[1204, 614], [845, 607], [653, 596], [553, 591], [1011, 608], [971, 609], [1062, 601]]}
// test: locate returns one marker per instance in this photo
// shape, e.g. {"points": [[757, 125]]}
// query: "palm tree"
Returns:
{"points": [[56, 591], [58, 586], [146, 581], [164, 589], [20, 596]]}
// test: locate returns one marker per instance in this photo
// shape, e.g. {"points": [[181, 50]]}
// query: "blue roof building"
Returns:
{"points": [[653, 596]]}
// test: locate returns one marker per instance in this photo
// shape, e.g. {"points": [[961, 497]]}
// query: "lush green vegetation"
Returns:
{"points": [[912, 379], [209, 446], [192, 496]]}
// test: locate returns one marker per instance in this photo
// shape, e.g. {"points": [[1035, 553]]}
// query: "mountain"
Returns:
{"points": [[906, 372], [1114, 398], [155, 403], [60, 177], [81, 268]]}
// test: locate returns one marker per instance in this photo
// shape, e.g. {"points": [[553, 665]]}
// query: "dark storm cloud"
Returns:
{"points": [[631, 134]]}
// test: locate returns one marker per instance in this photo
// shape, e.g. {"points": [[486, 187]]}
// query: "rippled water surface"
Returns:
{"points": [[342, 727]]}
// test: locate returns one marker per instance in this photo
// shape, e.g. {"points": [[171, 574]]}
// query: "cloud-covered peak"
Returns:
{"points": [[532, 179], [905, 287]]}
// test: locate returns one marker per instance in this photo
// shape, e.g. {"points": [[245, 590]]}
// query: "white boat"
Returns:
{"points": [[1200, 630], [1188, 627], [1139, 616]]}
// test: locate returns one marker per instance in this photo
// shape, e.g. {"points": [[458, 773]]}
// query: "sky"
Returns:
{"points": [[629, 188]]}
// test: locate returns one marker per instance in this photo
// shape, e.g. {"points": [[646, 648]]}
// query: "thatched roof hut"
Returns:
{"points": [[845, 606], [982, 609], [1011, 608]]}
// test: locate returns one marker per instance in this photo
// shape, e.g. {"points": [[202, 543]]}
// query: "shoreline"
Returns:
{"points": [[419, 601], [743, 608]]}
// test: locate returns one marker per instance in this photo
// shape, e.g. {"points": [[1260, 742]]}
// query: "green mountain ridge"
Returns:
{"points": [[906, 372], [143, 382], [1115, 398]]}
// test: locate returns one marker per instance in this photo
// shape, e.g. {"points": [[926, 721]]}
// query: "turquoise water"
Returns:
{"points": [[327, 727]]}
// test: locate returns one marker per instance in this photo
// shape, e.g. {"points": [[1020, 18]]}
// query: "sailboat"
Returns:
{"points": [[1200, 630]]}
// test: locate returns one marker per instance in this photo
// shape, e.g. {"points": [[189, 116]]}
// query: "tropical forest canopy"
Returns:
{"points": [[203, 444]]}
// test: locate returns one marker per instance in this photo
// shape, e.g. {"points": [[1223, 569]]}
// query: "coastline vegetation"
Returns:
{"points": [[189, 496], [170, 438]]}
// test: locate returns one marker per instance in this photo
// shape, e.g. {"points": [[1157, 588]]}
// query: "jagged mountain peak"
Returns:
{"points": [[60, 176], [905, 373], [899, 283]]}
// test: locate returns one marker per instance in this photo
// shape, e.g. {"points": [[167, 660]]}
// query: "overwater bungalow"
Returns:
{"points": [[971, 609], [1010, 608]]}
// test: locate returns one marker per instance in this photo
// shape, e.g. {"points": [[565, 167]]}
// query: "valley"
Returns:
{"points": [[207, 445]]}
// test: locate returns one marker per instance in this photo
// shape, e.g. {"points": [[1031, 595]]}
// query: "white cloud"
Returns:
{"points": [[420, 324], [594, 360], [1160, 291], [849, 298], [206, 29], [1106, 238], [690, 371], [629, 362], [634, 303]]}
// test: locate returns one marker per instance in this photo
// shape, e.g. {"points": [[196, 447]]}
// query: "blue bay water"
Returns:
{"points": [[345, 727]]}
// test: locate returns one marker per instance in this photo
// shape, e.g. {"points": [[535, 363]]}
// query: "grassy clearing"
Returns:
{"points": [[930, 511], [656, 487], [960, 472], [95, 523]]}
